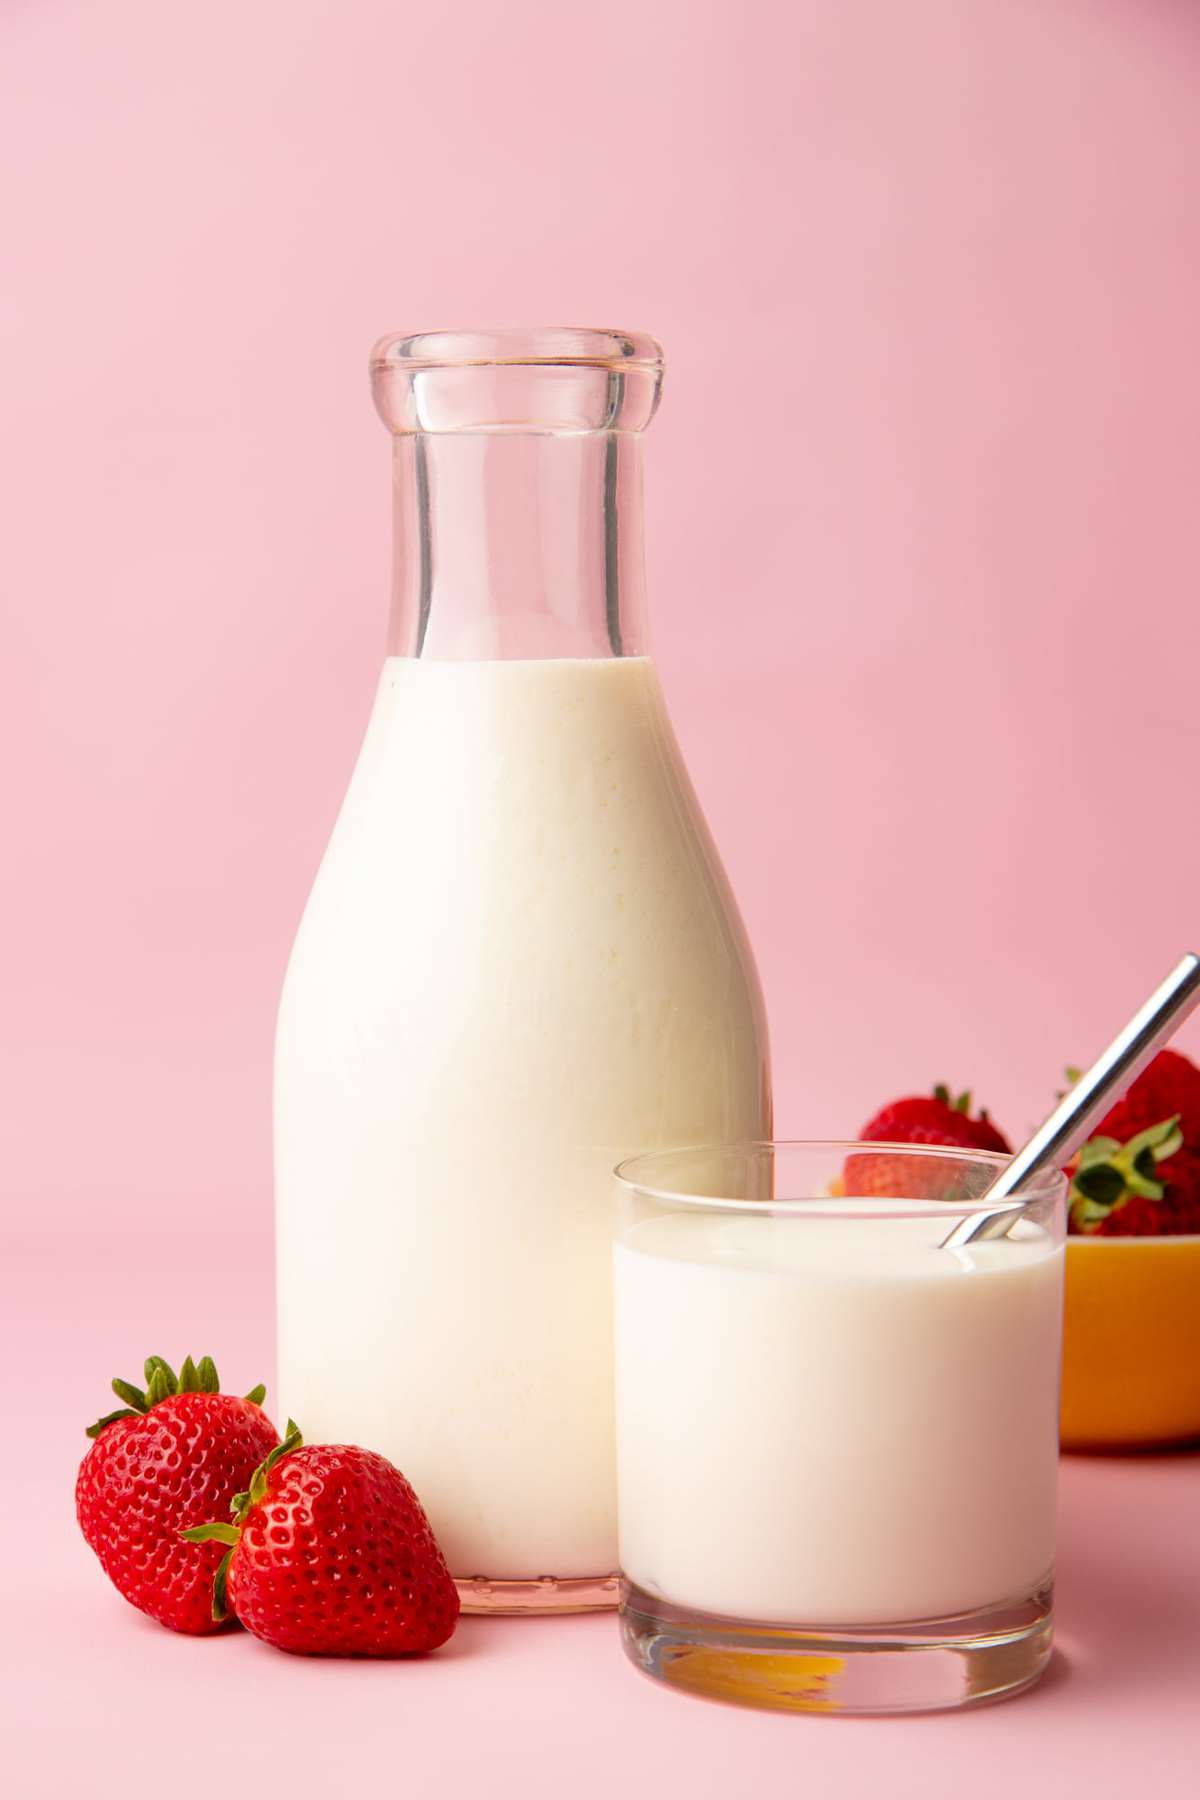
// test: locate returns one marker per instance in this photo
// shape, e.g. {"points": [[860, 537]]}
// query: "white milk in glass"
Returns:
{"points": [[519, 963], [835, 1422]]}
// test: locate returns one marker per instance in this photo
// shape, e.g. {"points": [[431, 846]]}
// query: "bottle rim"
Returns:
{"points": [[562, 380], [568, 346]]}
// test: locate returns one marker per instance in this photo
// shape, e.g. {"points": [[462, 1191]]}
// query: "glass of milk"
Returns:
{"points": [[837, 1441]]}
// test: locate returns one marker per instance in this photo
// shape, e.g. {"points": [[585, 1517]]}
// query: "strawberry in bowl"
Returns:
{"points": [[1139, 1175], [1131, 1341]]}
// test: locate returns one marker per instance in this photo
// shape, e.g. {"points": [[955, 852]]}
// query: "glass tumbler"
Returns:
{"points": [[837, 1440]]}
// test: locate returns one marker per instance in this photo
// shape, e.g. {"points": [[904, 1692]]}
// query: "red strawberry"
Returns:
{"points": [[330, 1554], [169, 1458], [935, 1119], [1140, 1175], [920, 1119], [1176, 1214], [1167, 1087]]}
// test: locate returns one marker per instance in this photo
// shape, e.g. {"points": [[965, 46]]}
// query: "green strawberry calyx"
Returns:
{"points": [[239, 1508], [960, 1105], [161, 1383], [1109, 1173]]}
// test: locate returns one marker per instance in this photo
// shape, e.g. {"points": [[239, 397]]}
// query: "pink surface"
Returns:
{"points": [[541, 1707], [923, 572]]}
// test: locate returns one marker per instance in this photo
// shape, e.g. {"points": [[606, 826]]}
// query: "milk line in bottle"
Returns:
{"points": [[520, 962]]}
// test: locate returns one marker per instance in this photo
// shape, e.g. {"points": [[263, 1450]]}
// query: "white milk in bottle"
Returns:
{"points": [[519, 963]]}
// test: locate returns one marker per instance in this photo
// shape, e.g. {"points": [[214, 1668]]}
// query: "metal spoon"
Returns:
{"points": [[1069, 1125]]}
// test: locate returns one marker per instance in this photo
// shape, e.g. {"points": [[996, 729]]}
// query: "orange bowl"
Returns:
{"points": [[1131, 1343]]}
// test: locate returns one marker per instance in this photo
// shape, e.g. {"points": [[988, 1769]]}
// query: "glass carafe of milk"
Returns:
{"points": [[520, 962]]}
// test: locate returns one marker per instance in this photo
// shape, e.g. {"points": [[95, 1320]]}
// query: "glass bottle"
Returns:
{"points": [[520, 962]]}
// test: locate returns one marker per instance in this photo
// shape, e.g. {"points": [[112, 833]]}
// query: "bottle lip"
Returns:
{"points": [[559, 379], [569, 346]]}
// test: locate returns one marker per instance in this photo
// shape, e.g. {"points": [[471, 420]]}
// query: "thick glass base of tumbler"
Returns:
{"points": [[923, 1666], [544, 1594]]}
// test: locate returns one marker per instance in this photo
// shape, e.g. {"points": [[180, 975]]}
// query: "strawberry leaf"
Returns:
{"points": [[202, 1534], [1157, 1141], [207, 1376], [160, 1388], [257, 1395], [122, 1412], [1109, 1173], [220, 1603], [132, 1396], [160, 1362], [1098, 1150], [258, 1481], [189, 1380], [1102, 1184]]}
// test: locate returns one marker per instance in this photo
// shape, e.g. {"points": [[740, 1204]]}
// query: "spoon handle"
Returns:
{"points": [[1070, 1124]]}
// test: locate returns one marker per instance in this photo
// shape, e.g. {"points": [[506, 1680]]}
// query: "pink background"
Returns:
{"points": [[923, 560]]}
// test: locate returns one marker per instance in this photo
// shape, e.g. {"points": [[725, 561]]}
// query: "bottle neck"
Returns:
{"points": [[517, 544]]}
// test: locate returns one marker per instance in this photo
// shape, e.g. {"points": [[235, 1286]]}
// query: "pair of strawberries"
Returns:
{"points": [[199, 1513], [1139, 1176]]}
